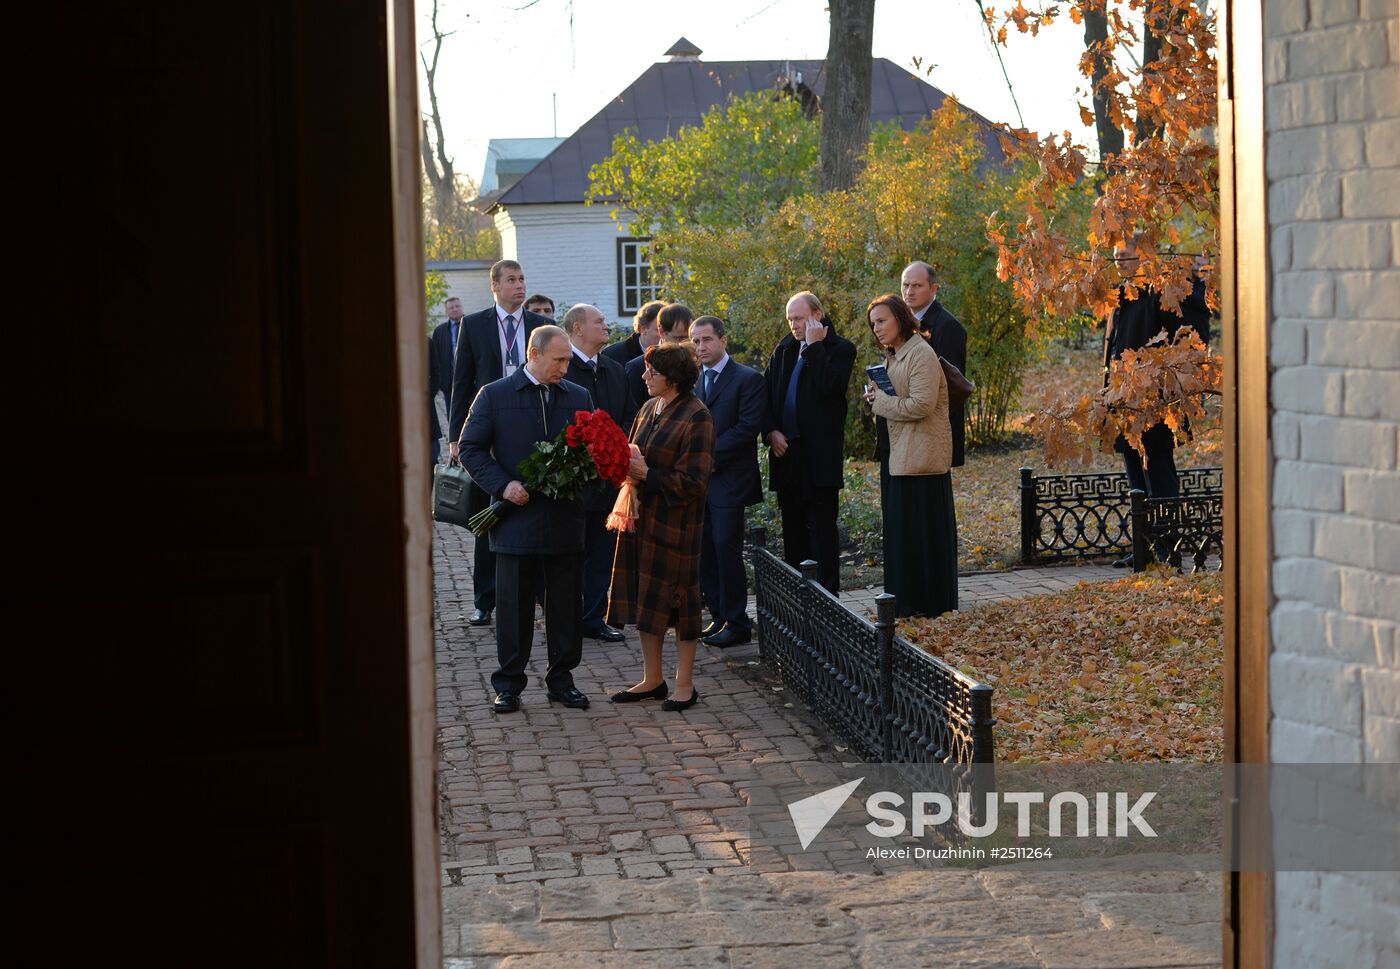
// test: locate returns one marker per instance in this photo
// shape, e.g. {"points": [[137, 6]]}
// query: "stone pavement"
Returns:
{"points": [[617, 835]]}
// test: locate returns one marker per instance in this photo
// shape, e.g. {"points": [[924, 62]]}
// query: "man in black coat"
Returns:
{"points": [[672, 323], [434, 425], [490, 345], [919, 286], [604, 380], [538, 536], [737, 400], [444, 342], [808, 380], [644, 334]]}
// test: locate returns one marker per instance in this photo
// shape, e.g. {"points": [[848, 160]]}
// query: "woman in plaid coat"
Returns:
{"points": [[656, 572]]}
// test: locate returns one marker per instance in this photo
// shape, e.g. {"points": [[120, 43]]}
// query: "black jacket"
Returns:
{"points": [[442, 356], [1135, 322], [626, 351], [507, 419], [816, 459], [636, 384], [738, 405], [478, 361], [608, 388]]}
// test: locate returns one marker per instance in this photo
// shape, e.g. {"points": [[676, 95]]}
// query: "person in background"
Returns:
{"points": [[656, 575], [807, 380], [444, 342], [604, 380], [919, 284], [434, 425], [541, 305], [672, 324], [644, 334], [916, 490], [737, 401]]}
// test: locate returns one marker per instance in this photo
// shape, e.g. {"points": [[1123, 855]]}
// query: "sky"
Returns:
{"points": [[512, 67]]}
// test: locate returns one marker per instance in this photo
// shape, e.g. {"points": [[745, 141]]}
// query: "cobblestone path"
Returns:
{"points": [[616, 836]]}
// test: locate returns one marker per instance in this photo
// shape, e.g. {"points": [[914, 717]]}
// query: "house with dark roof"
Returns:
{"points": [[578, 254]]}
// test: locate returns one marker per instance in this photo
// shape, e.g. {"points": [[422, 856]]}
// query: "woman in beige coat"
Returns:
{"points": [[916, 490]]}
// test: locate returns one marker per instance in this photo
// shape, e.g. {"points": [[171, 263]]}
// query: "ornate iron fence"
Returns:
{"points": [[1066, 516], [1185, 531], [892, 702]]}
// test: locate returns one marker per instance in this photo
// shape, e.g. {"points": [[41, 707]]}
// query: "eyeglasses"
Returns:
{"points": [[648, 373]]}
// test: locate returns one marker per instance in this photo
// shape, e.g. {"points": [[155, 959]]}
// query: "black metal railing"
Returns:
{"points": [[891, 701], [1187, 532], [1069, 516]]}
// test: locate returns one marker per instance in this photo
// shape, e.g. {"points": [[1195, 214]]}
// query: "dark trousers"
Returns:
{"points": [[599, 546], [723, 582], [516, 580], [809, 532], [483, 559], [1159, 478]]}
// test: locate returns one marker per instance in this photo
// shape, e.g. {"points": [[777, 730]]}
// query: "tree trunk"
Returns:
{"points": [[1095, 36], [437, 165], [846, 103]]}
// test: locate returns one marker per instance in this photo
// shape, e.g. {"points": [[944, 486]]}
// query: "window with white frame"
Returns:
{"points": [[634, 280]]}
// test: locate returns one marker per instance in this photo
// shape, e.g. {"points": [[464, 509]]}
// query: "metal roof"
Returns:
{"points": [[673, 94]]}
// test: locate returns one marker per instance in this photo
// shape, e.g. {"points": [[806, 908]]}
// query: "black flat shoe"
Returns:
{"points": [[572, 697], [506, 702], [682, 704], [714, 627], [627, 696], [726, 637], [480, 617], [1126, 562], [610, 635]]}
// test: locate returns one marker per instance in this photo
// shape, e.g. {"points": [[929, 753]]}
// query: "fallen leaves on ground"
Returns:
{"points": [[1129, 670]]}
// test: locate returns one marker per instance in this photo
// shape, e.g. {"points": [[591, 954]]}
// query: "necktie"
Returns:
{"points": [[789, 426], [544, 394], [709, 384], [512, 353], [456, 329], [592, 365]]}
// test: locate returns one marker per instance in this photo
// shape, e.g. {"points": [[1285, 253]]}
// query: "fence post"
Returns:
{"points": [[884, 635], [1141, 549], [758, 540], [1028, 522], [811, 676], [982, 723]]}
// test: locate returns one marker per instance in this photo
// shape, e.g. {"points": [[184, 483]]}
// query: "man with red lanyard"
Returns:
{"points": [[491, 345]]}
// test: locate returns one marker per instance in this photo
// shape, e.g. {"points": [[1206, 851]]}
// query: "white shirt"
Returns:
{"points": [[717, 368], [919, 314], [501, 314], [579, 353]]}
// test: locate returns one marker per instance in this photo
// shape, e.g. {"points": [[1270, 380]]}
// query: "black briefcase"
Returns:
{"points": [[451, 487]]}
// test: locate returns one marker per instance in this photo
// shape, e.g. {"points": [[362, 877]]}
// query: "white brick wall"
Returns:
{"points": [[569, 253], [1332, 109]]}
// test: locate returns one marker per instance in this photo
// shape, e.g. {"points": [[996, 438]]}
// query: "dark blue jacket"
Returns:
{"points": [[636, 383], [479, 362], [442, 356], [738, 405], [506, 421]]}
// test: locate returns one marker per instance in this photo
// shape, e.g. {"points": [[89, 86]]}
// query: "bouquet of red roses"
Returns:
{"points": [[593, 447]]}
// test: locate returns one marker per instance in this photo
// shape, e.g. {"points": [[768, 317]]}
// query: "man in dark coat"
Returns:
{"points": [[444, 341], [434, 425], [737, 400], [490, 345], [808, 380], [644, 334], [539, 535], [919, 286], [672, 323], [604, 380]]}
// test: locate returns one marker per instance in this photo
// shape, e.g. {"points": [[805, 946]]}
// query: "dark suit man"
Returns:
{"points": [[808, 380], [644, 334], [919, 285], [604, 380], [434, 425], [444, 342], [738, 403], [539, 536], [672, 323], [490, 345]]}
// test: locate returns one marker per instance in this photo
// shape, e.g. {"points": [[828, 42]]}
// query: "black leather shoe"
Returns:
{"points": [[480, 617], [714, 627], [610, 635], [1126, 562], [506, 702], [726, 637], [627, 696], [682, 704], [572, 697]]}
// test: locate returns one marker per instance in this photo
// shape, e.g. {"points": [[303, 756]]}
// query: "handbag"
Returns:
{"points": [[959, 387], [451, 488]]}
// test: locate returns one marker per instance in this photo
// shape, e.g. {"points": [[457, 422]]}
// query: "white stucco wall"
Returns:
{"points": [[473, 286], [1332, 100], [569, 253]]}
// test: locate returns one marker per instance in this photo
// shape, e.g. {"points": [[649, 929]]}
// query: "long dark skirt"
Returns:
{"points": [[921, 542]]}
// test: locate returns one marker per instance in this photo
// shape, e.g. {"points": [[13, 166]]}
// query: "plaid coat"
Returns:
{"points": [[656, 571]]}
